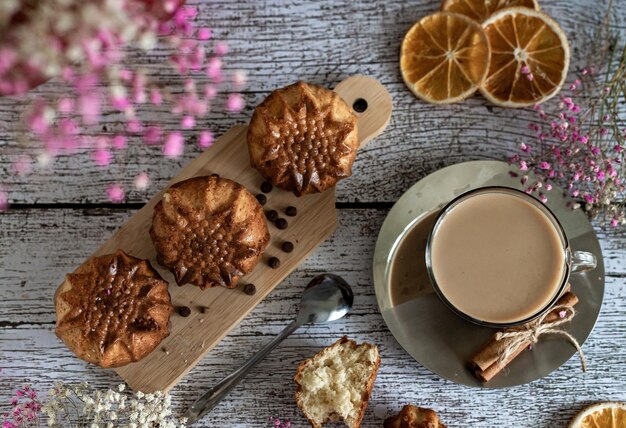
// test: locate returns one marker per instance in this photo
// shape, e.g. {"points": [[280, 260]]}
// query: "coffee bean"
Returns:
{"points": [[202, 309], [184, 311], [249, 289], [287, 246], [281, 223], [271, 215], [261, 198], [266, 187], [291, 211], [274, 262]]}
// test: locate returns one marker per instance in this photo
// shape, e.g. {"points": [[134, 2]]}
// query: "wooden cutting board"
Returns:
{"points": [[192, 337]]}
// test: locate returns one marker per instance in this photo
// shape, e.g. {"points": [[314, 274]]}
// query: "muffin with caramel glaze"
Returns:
{"points": [[303, 138], [113, 310], [414, 417], [209, 231]]}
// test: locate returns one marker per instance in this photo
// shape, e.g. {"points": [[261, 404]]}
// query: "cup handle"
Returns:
{"points": [[583, 261]]}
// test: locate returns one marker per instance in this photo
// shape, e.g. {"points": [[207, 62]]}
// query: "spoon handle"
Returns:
{"points": [[213, 396]]}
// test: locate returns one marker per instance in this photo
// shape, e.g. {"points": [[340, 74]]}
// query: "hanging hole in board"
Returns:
{"points": [[359, 105]]}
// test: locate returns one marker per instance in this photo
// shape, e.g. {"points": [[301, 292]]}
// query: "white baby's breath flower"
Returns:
{"points": [[147, 41], [121, 387]]}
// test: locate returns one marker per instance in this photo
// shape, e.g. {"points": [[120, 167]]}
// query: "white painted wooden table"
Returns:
{"points": [[59, 218]]}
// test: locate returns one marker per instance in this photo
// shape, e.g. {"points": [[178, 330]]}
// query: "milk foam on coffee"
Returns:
{"points": [[497, 258]]}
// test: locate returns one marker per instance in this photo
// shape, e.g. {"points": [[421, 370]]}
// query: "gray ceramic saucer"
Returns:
{"points": [[436, 337]]}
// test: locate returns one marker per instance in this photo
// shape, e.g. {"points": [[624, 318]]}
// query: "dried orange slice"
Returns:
{"points": [[601, 415], [444, 57], [483, 9], [529, 57]]}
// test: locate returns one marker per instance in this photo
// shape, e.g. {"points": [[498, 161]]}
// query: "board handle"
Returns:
{"points": [[371, 103]]}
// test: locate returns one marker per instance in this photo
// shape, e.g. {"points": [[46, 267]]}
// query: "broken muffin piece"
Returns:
{"points": [[335, 385]]}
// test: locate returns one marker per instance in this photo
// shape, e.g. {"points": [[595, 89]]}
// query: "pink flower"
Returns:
{"points": [[235, 103], [523, 166], [153, 134], [155, 97], [115, 193], [206, 139], [4, 201], [210, 91], [102, 157], [214, 69], [89, 107], [204, 33], [120, 102], [38, 119], [221, 49], [614, 222], [188, 122], [7, 424], [174, 145], [544, 165], [142, 181], [119, 142], [134, 126], [65, 105]]}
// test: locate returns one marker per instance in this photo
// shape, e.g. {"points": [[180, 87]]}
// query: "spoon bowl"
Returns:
{"points": [[326, 298]]}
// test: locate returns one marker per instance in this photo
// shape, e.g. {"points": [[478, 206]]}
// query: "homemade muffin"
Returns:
{"points": [[209, 231], [113, 310], [414, 417], [303, 138], [336, 384]]}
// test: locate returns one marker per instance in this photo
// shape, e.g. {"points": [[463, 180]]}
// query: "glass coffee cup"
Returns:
{"points": [[498, 257]]}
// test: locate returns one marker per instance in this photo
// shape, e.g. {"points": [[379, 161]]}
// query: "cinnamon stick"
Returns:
{"points": [[485, 364]]}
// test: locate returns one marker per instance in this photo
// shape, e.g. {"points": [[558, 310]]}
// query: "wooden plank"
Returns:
{"points": [[30, 351], [278, 42]]}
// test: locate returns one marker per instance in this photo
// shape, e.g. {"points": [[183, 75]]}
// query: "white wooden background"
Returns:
{"points": [[59, 217]]}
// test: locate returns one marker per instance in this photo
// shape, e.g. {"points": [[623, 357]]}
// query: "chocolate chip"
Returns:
{"points": [[281, 223], [360, 105], [249, 289], [266, 187], [261, 198], [214, 175], [184, 311], [271, 215], [287, 246], [291, 211], [274, 262]]}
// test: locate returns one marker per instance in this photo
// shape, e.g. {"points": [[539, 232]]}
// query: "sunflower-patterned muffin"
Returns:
{"points": [[113, 310], [209, 231], [303, 138]]}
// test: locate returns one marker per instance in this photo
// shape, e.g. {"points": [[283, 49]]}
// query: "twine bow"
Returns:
{"points": [[530, 332]]}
